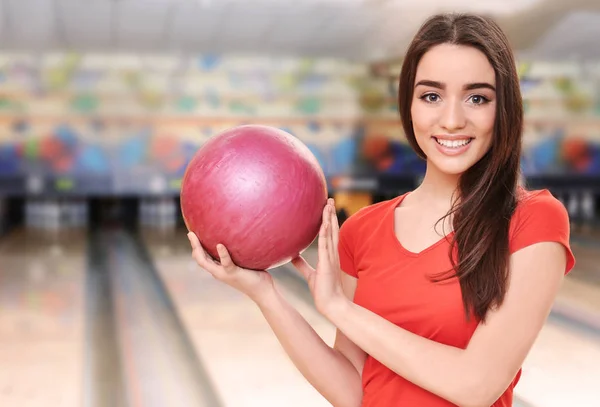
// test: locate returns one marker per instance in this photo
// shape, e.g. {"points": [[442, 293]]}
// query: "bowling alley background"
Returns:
{"points": [[131, 123], [133, 118], [101, 304]]}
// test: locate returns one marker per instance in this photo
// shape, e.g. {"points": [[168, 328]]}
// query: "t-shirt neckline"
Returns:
{"points": [[391, 228]]}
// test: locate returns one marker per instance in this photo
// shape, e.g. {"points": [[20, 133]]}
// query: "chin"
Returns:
{"points": [[452, 166]]}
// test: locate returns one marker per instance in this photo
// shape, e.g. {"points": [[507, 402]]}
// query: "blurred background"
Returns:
{"points": [[104, 102]]}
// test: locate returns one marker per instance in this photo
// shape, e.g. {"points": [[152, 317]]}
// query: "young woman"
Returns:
{"points": [[437, 294]]}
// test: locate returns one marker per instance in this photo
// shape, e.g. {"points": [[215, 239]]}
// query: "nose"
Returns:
{"points": [[453, 117]]}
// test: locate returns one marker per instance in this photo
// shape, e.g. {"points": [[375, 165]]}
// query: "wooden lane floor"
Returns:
{"points": [[562, 369], [158, 366], [42, 313], [240, 353], [580, 294]]}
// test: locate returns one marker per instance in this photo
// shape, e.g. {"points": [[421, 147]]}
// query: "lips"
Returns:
{"points": [[453, 145]]}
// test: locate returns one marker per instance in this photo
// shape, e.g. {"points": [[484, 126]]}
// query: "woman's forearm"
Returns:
{"points": [[325, 368], [433, 366]]}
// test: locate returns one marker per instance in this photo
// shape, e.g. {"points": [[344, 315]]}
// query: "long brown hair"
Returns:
{"points": [[487, 192]]}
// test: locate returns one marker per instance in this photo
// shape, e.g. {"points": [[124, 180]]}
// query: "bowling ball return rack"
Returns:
{"points": [[68, 186], [380, 184]]}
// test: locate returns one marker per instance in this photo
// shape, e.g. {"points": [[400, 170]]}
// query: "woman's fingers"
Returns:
{"points": [[194, 240], [322, 243], [303, 267], [331, 246], [201, 257], [225, 258], [335, 232]]}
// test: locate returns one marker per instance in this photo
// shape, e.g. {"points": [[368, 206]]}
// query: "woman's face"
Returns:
{"points": [[454, 107]]}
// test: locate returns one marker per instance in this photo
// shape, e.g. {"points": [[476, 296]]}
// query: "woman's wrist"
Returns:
{"points": [[335, 308], [267, 297]]}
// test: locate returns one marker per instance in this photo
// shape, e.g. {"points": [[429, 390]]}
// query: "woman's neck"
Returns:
{"points": [[437, 189]]}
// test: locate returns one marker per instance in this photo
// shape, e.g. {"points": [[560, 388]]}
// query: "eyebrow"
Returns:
{"points": [[468, 86]]}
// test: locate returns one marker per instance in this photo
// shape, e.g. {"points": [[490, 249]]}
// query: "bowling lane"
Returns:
{"points": [[42, 313], [580, 294], [158, 366], [565, 360], [244, 360]]}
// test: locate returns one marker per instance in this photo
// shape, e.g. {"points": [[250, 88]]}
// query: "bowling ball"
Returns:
{"points": [[342, 156], [575, 148], [259, 191], [91, 159], [576, 153], [67, 136], [375, 147], [9, 159]]}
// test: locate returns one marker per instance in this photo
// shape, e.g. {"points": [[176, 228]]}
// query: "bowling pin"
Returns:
{"points": [[573, 205], [35, 213], [154, 208], [66, 214], [73, 215], [167, 214], [149, 211], [28, 213], [78, 213], [2, 216], [144, 212], [588, 210], [588, 206], [43, 214], [63, 211], [53, 215], [82, 212], [154, 213]]}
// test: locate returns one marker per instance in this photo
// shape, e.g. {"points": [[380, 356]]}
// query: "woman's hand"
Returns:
{"points": [[253, 283], [325, 281]]}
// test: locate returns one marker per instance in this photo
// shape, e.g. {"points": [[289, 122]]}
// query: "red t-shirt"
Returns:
{"points": [[393, 283]]}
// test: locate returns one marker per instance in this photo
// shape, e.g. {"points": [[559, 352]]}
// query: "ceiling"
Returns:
{"points": [[362, 30]]}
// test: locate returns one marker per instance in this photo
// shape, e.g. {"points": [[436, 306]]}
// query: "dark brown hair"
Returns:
{"points": [[487, 192]]}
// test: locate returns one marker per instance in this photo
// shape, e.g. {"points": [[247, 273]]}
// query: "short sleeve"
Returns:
{"points": [[541, 218], [346, 248]]}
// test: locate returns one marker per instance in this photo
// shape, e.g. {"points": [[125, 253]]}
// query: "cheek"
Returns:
{"points": [[484, 123], [424, 120]]}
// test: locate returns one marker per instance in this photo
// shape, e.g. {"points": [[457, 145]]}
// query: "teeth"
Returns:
{"points": [[453, 143]]}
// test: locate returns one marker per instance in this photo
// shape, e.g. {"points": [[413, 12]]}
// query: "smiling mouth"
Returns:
{"points": [[453, 143]]}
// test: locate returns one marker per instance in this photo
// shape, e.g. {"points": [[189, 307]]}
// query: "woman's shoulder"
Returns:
{"points": [[540, 217], [538, 203], [537, 212]]}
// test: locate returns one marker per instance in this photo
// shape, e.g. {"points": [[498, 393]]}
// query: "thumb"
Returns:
{"points": [[302, 266]]}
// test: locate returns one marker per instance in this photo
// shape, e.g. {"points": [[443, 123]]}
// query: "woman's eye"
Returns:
{"points": [[431, 98], [478, 99]]}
